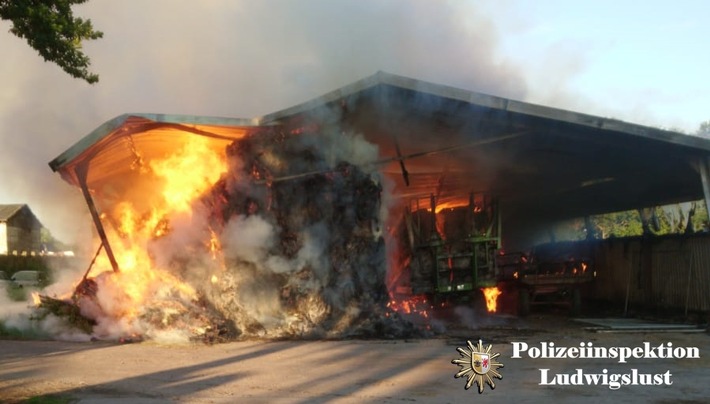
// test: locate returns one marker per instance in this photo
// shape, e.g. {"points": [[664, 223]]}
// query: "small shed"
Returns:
{"points": [[19, 230]]}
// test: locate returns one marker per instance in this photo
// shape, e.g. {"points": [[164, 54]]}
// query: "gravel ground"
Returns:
{"points": [[418, 370]]}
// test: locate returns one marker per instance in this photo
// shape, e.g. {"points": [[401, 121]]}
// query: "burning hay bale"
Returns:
{"points": [[319, 266], [286, 242]]}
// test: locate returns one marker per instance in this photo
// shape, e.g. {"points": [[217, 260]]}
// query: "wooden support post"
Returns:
{"points": [[703, 167], [472, 214], [589, 228], [432, 204], [499, 219], [405, 173], [81, 171]]}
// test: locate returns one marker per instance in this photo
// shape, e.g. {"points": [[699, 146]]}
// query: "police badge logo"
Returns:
{"points": [[481, 363], [478, 365]]}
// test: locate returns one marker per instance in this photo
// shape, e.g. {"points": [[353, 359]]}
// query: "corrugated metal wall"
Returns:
{"points": [[662, 272]]}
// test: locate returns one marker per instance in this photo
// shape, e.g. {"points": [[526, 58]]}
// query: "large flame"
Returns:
{"points": [[188, 173], [179, 179]]}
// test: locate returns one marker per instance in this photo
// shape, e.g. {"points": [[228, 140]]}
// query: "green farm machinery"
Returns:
{"points": [[452, 248]]}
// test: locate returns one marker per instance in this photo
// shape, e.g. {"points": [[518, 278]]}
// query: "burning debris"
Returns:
{"points": [[219, 245], [491, 295]]}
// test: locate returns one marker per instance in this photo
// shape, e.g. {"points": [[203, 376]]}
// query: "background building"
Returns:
{"points": [[20, 230]]}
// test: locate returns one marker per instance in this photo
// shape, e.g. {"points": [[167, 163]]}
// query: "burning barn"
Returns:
{"points": [[309, 220]]}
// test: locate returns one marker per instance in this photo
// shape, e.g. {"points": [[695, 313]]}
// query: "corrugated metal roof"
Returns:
{"points": [[112, 144], [544, 164], [491, 102], [8, 211]]}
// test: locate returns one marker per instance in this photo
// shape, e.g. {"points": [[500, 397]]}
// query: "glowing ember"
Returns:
{"points": [[491, 294], [418, 305]]}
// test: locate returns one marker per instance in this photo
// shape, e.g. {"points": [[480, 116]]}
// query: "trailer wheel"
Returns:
{"points": [[523, 302], [576, 304]]}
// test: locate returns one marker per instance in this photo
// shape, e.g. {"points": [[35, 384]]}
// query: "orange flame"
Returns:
{"points": [[214, 245], [491, 294], [417, 304], [179, 180], [450, 205], [188, 173]]}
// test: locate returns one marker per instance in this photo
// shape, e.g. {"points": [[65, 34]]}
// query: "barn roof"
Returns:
{"points": [[113, 146], [8, 211], [541, 162]]}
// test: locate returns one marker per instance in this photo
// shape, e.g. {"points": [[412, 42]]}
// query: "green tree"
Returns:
{"points": [[704, 129], [49, 27], [51, 243]]}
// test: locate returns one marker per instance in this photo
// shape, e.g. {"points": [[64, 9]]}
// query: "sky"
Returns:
{"points": [[641, 62]]}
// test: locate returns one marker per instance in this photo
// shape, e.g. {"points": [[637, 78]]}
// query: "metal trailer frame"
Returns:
{"points": [[457, 268], [564, 287]]}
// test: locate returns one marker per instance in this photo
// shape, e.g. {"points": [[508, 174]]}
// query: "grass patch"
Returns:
{"points": [[50, 399]]}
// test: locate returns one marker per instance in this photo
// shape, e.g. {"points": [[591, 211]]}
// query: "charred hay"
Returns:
{"points": [[339, 293]]}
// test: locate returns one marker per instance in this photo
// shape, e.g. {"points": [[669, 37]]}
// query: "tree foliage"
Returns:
{"points": [[50, 27], [51, 243], [704, 129], [668, 219]]}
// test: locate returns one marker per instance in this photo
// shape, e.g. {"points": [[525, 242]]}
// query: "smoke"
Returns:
{"points": [[249, 238], [472, 319], [223, 58], [18, 316]]}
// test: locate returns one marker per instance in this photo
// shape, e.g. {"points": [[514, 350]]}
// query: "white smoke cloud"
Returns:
{"points": [[252, 239], [18, 317], [249, 58], [247, 238], [221, 58]]}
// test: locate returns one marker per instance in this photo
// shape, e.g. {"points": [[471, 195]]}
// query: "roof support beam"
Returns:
{"points": [[703, 167], [81, 171], [405, 173]]}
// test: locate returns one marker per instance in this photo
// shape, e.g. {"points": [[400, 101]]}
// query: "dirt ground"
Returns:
{"points": [[418, 370]]}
